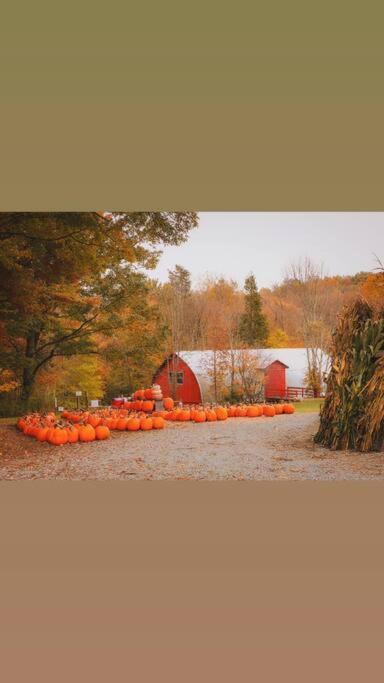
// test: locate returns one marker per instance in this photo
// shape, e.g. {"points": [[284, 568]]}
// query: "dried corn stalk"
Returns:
{"points": [[352, 416]]}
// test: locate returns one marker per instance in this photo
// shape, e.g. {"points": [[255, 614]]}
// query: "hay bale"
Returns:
{"points": [[352, 416]]}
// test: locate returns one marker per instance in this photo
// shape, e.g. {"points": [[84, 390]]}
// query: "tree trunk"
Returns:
{"points": [[28, 370]]}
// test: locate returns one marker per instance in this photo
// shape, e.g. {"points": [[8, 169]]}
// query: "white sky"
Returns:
{"points": [[234, 244]]}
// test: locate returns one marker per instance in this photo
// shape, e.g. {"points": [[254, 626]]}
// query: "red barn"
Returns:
{"points": [[187, 385], [275, 385], [193, 384]]}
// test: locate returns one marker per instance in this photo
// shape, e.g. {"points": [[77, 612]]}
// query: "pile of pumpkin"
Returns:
{"points": [[133, 416], [61, 431]]}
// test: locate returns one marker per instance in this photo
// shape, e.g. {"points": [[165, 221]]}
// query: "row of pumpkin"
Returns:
{"points": [[85, 426]]}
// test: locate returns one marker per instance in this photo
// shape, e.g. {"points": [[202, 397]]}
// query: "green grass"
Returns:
{"points": [[309, 405], [8, 420]]}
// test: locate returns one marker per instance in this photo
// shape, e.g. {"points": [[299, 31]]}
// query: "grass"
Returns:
{"points": [[8, 420], [309, 405]]}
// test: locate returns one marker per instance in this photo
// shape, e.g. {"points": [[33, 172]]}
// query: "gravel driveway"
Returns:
{"points": [[240, 448]]}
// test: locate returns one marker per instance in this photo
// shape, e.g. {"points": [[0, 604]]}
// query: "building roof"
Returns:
{"points": [[294, 359]]}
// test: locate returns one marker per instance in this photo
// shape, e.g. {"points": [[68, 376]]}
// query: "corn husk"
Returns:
{"points": [[352, 416]]}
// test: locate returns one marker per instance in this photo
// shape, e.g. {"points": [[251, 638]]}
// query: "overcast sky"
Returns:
{"points": [[234, 244]]}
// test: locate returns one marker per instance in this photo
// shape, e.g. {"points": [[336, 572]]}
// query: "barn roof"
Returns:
{"points": [[294, 359]]}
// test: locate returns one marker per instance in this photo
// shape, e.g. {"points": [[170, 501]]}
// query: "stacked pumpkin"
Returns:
{"points": [[59, 432]]}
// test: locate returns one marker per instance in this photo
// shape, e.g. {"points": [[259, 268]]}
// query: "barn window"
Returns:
{"points": [[179, 377]]}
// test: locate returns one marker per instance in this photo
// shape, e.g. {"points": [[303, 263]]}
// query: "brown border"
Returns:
{"points": [[250, 107]]}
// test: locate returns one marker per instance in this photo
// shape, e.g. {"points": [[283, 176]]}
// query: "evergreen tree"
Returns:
{"points": [[253, 323]]}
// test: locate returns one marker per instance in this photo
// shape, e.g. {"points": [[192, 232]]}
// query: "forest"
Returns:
{"points": [[80, 311]]}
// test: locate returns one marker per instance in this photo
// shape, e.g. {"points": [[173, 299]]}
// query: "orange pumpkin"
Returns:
{"points": [[148, 393], [168, 403], [146, 423], [133, 424], [200, 416], [121, 424], [211, 415], [147, 406], [41, 434], [158, 423], [87, 433], [73, 434], [253, 411], [288, 409], [268, 411], [102, 432], [58, 436], [94, 420], [221, 413]]}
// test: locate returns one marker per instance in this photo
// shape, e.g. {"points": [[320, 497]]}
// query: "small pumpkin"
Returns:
{"points": [[41, 434], [158, 423], [58, 436], [73, 434], [87, 433], [147, 406], [94, 420], [102, 432], [221, 413], [133, 424], [168, 403]]}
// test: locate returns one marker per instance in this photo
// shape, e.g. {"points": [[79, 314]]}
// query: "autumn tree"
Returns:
{"points": [[313, 300], [65, 277], [253, 324], [249, 367]]}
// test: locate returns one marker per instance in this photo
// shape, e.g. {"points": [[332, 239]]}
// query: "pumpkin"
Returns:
{"points": [[278, 409], [147, 406], [146, 423], [253, 411], [241, 411], [288, 409], [148, 394], [133, 424], [139, 394], [58, 436], [41, 434], [121, 424], [232, 411], [94, 420], [168, 403], [87, 433], [102, 432], [158, 423], [221, 413], [73, 434], [268, 411], [200, 416], [211, 415]]}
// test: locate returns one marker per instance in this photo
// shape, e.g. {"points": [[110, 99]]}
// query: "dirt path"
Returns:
{"points": [[241, 448]]}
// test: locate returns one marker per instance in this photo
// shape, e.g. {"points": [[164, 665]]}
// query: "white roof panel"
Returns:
{"points": [[295, 359]]}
